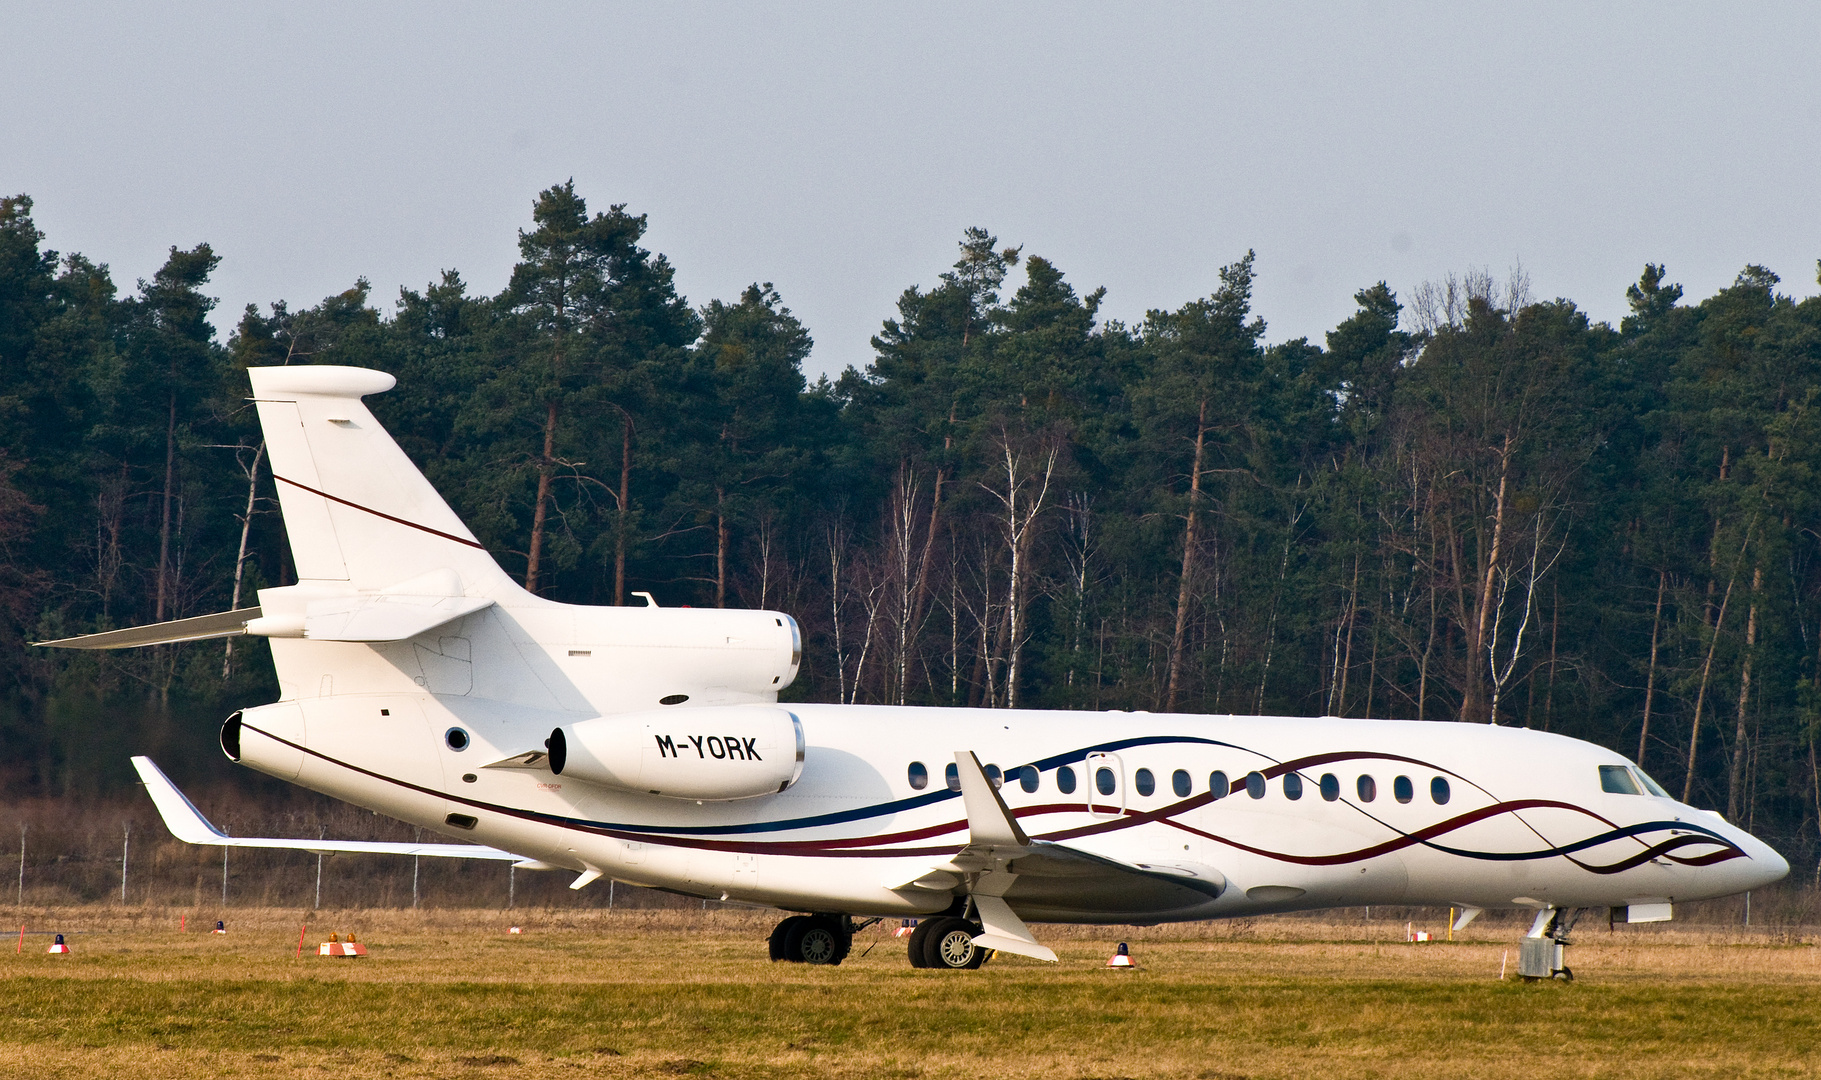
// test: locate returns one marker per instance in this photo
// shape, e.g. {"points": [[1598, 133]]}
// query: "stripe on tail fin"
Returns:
{"points": [[356, 509]]}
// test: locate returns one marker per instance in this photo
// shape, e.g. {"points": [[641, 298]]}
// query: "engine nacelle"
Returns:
{"points": [[714, 753]]}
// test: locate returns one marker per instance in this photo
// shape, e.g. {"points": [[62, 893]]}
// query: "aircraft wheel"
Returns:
{"points": [[822, 939], [918, 935], [779, 944], [950, 945]]}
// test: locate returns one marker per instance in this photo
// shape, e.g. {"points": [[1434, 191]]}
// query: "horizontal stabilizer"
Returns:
{"points": [[187, 824], [201, 628], [385, 617]]}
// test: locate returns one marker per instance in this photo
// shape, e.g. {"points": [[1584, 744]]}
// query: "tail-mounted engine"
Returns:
{"points": [[708, 754]]}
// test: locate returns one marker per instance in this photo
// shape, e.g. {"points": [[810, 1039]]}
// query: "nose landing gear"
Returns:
{"points": [[1541, 953]]}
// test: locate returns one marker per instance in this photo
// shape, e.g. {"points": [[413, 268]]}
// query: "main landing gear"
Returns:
{"points": [[946, 942], [942, 942], [813, 939]]}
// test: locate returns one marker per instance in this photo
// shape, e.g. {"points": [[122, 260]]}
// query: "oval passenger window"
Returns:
{"points": [[1293, 786], [1028, 777], [1403, 789], [1103, 781], [1368, 788], [1438, 790], [1180, 783], [1218, 784], [952, 776], [919, 776], [1255, 784], [1330, 787], [1144, 782], [993, 776], [1065, 780]]}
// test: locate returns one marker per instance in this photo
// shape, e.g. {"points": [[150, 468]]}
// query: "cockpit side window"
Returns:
{"points": [[1617, 780]]}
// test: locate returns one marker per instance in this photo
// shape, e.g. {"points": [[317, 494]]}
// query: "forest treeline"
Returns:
{"points": [[1463, 504]]}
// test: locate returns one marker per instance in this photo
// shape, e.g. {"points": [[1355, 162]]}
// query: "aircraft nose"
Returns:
{"points": [[1764, 864]]}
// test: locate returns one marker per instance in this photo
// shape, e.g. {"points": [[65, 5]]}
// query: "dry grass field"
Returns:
{"points": [[690, 993]]}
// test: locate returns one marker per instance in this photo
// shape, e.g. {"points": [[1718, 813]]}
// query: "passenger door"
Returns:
{"points": [[1105, 782]]}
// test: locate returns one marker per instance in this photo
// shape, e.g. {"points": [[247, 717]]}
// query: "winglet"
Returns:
{"points": [[989, 823], [179, 813]]}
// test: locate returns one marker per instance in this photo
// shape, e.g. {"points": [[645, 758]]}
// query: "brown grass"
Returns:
{"points": [[689, 992]]}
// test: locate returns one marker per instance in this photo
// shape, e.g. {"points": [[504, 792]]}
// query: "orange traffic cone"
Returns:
{"points": [[1122, 958], [58, 947]]}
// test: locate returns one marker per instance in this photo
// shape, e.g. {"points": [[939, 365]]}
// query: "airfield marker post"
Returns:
{"points": [[300, 937], [126, 839]]}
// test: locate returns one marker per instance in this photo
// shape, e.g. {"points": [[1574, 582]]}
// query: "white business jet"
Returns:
{"points": [[648, 745]]}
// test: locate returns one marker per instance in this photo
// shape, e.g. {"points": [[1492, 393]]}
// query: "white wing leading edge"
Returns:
{"points": [[187, 824]]}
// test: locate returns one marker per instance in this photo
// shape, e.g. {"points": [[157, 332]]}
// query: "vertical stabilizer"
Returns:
{"points": [[355, 508]]}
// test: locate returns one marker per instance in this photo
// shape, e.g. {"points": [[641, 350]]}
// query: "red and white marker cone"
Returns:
{"points": [[1122, 958], [58, 947], [337, 947], [905, 926]]}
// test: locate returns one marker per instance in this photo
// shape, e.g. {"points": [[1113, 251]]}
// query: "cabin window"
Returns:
{"points": [[456, 739], [1144, 782], [1330, 787], [952, 776], [1293, 786], [994, 776], [1218, 784], [919, 776], [1103, 781], [1368, 788], [1616, 780], [1065, 780], [1028, 777], [1438, 790], [1402, 789], [1255, 784], [1180, 783]]}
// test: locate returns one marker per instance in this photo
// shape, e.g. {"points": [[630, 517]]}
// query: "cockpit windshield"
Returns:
{"points": [[1651, 785]]}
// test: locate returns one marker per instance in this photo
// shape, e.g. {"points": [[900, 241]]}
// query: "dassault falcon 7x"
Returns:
{"points": [[648, 744]]}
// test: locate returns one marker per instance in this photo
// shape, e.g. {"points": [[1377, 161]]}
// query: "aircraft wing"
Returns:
{"points": [[1001, 863], [187, 824]]}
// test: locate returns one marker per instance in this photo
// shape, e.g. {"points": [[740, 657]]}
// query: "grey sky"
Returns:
{"points": [[838, 150]]}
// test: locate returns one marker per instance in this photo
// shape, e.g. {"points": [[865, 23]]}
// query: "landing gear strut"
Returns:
{"points": [[946, 942], [812, 939], [1541, 953]]}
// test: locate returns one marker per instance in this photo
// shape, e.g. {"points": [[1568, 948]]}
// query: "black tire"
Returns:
{"points": [[950, 946], [820, 940], [918, 935], [779, 944]]}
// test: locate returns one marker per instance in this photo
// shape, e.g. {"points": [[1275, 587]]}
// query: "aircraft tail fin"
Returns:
{"points": [[356, 509]]}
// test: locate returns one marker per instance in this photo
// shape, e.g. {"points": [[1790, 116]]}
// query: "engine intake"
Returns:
{"points": [[714, 753]]}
